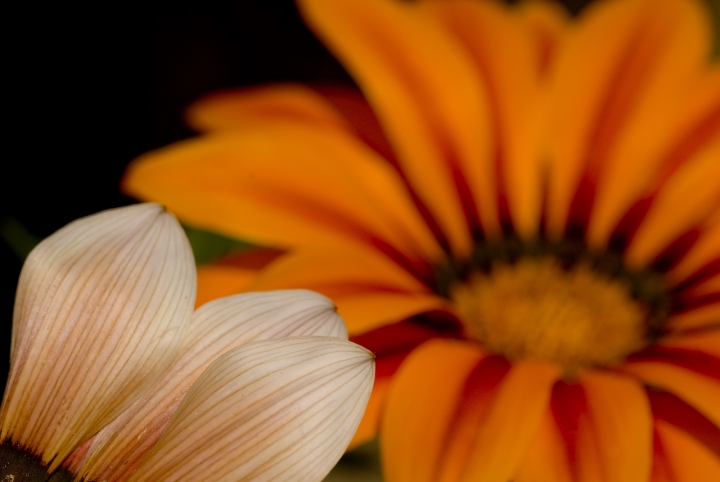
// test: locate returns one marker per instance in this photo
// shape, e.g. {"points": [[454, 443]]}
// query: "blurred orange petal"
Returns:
{"points": [[423, 106], [503, 52], [700, 391], [620, 425], [512, 422], [688, 460], [285, 193], [546, 459], [235, 109], [369, 289], [421, 404]]}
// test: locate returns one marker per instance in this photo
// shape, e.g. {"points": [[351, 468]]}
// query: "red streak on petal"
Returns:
{"points": [[671, 409], [695, 360], [474, 403], [568, 403]]}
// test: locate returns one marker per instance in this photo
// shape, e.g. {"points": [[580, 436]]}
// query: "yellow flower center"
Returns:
{"points": [[536, 308]]}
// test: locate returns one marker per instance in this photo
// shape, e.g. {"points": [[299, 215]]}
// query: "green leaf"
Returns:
{"points": [[208, 246], [20, 240]]}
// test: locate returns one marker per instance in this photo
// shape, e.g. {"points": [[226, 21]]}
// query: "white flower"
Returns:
{"points": [[113, 377]]}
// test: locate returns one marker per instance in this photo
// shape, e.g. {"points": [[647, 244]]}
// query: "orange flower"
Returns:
{"points": [[533, 236]]}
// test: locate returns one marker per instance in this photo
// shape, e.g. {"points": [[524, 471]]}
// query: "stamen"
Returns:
{"points": [[556, 302]]}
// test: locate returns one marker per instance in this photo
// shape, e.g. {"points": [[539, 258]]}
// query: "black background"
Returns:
{"points": [[89, 90]]}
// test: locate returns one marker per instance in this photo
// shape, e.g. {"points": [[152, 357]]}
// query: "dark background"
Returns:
{"points": [[88, 90]]}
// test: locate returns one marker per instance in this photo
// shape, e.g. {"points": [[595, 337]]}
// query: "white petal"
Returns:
{"points": [[217, 327], [101, 308], [273, 410]]}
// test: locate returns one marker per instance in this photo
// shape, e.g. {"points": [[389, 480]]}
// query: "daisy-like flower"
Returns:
{"points": [[523, 222], [114, 378]]}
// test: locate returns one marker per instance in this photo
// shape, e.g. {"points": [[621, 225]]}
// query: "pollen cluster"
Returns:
{"points": [[535, 308]]}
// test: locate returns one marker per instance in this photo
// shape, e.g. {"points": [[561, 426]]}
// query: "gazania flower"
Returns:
{"points": [[114, 378], [532, 236]]}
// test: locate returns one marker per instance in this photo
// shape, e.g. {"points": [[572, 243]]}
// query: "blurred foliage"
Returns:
{"points": [[208, 246], [359, 465], [20, 240]]}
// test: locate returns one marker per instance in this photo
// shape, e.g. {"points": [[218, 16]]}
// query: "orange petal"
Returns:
{"points": [[433, 111], [702, 117], [687, 199], [548, 22], [366, 311], [368, 289], [620, 424], [236, 109], [707, 341], [702, 252], [700, 391], [217, 281], [504, 54], [704, 288], [370, 423], [471, 412], [233, 273], [578, 83], [546, 459], [285, 185], [420, 407], [607, 93], [672, 46], [519, 406], [688, 460], [700, 317]]}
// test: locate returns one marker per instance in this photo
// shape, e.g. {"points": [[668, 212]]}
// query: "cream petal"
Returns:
{"points": [[270, 410], [217, 327], [101, 308]]}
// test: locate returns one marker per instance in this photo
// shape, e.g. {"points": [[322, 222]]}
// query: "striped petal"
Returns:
{"points": [[217, 327], [102, 306], [687, 459], [512, 422], [615, 438], [695, 317], [285, 185], [546, 459], [505, 56], [421, 405], [670, 65], [707, 341], [391, 345], [687, 199], [368, 289], [700, 391], [280, 410], [434, 113], [610, 94]]}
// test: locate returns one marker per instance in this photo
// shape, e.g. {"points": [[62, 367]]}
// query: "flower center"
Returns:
{"points": [[18, 464], [570, 312]]}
